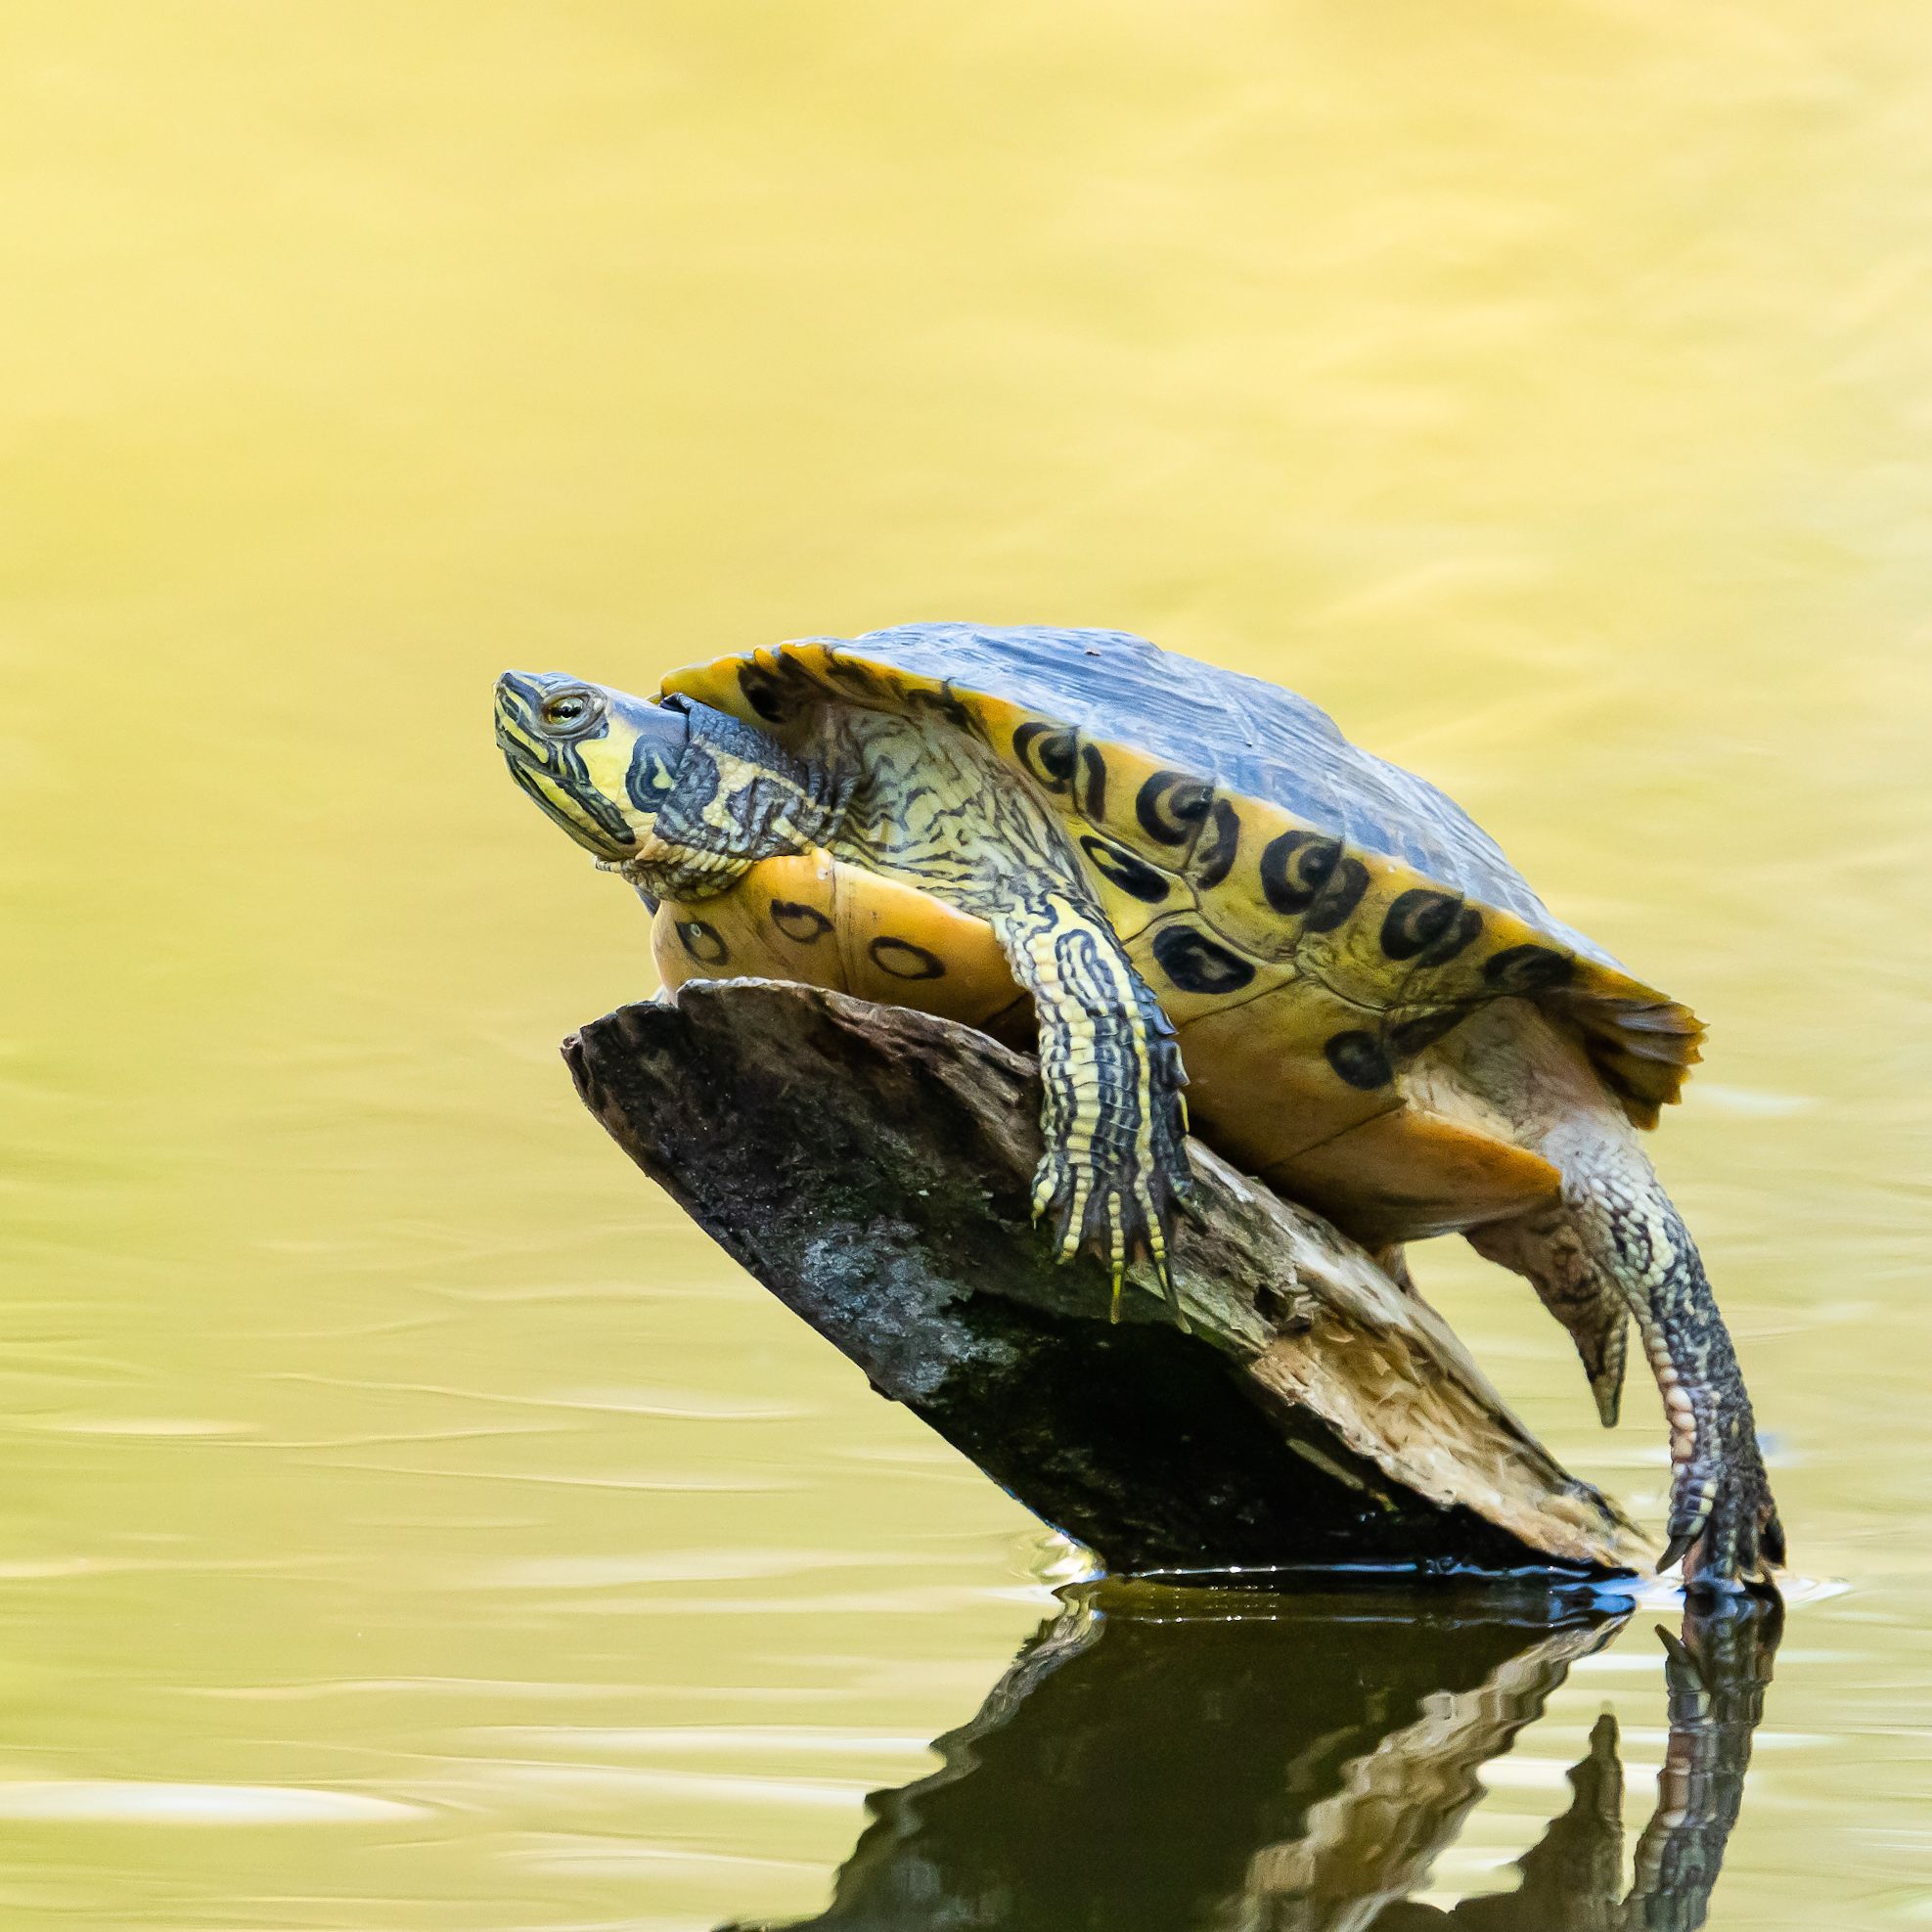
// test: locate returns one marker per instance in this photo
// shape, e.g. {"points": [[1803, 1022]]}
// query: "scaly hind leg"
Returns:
{"points": [[1545, 1247], [1615, 1239], [1113, 1116], [1723, 1522], [1615, 1248]]}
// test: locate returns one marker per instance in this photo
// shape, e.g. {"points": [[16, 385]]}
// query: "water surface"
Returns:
{"points": [[411, 1523]]}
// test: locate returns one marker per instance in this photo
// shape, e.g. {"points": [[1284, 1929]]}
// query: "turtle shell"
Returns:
{"points": [[1296, 903]]}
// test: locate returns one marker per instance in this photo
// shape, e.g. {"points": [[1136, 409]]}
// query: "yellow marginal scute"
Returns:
{"points": [[734, 935], [892, 934], [1107, 864], [812, 920], [1410, 1173], [1125, 777], [1261, 1084]]}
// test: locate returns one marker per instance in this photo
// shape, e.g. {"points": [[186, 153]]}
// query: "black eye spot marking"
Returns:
{"points": [[1462, 934], [1214, 851], [1417, 920], [1171, 806], [702, 942], [1529, 970], [1358, 1059], [905, 961], [1196, 964], [805, 924], [1094, 802], [1046, 753], [1294, 868], [1425, 1030], [1338, 898], [764, 693], [1122, 869]]}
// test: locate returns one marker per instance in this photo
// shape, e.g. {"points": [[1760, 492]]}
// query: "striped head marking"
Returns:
{"points": [[599, 761]]}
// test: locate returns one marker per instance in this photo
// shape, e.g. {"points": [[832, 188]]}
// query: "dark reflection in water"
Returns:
{"points": [[1234, 1762]]}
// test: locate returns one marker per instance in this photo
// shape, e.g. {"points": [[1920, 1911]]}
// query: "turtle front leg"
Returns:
{"points": [[1723, 1522], [1113, 1116]]}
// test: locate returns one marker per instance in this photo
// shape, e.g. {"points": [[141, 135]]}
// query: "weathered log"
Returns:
{"points": [[873, 1167]]}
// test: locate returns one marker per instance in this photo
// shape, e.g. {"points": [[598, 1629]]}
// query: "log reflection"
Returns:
{"points": [[1242, 1763]]}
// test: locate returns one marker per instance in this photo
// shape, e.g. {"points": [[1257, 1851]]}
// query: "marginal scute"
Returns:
{"points": [[1529, 970], [1338, 898], [1460, 934], [1094, 783], [943, 704], [1417, 920], [1119, 867], [764, 693], [1047, 754], [1216, 848]]}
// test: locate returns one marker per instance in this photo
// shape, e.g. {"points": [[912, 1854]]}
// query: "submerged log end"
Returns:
{"points": [[873, 1167]]}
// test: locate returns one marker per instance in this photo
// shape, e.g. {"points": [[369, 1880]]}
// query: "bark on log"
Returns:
{"points": [[873, 1166]]}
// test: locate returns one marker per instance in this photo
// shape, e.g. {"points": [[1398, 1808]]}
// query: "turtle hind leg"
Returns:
{"points": [[1547, 1247], [1115, 1163], [1723, 1522], [1618, 1220]]}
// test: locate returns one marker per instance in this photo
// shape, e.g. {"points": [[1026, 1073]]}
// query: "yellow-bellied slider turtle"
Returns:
{"points": [[1157, 858]]}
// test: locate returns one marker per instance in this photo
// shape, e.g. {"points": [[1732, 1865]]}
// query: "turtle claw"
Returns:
{"points": [[1112, 1218], [1723, 1526], [1112, 1111]]}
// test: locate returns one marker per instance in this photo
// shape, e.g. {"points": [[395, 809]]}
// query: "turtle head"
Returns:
{"points": [[599, 761]]}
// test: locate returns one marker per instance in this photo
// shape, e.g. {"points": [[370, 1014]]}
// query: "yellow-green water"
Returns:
{"points": [[410, 1523]]}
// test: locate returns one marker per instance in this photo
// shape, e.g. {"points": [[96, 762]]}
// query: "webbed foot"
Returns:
{"points": [[1114, 1119], [1723, 1522], [1114, 1216], [1115, 1169]]}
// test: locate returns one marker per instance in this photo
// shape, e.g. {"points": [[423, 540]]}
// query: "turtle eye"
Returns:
{"points": [[568, 710]]}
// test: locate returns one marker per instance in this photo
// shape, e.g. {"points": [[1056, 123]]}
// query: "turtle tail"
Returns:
{"points": [[1642, 1045]]}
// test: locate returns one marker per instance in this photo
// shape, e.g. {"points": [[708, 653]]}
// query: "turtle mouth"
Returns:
{"points": [[542, 725]]}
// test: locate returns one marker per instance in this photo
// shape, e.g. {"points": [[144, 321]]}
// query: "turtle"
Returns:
{"points": [[1172, 874]]}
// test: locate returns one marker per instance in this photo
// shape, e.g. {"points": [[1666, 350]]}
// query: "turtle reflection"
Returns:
{"points": [[1158, 1760]]}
